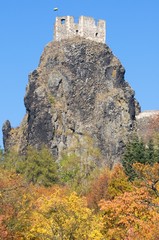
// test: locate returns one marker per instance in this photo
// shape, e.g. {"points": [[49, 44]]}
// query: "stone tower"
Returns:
{"points": [[65, 27]]}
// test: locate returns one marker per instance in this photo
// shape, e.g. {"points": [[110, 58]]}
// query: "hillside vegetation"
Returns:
{"points": [[75, 198]]}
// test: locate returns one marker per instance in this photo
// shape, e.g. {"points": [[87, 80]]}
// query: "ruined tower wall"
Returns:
{"points": [[65, 27]]}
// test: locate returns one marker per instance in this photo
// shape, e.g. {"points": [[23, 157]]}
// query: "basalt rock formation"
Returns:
{"points": [[77, 90]]}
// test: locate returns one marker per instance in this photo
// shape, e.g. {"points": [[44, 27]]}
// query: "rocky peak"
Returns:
{"points": [[78, 90]]}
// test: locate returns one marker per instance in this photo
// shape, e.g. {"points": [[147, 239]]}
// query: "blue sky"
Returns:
{"points": [[26, 26]]}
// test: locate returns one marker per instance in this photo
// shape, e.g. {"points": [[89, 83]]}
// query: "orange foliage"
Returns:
{"points": [[148, 176], [109, 184], [11, 190], [98, 189], [128, 216], [18, 200], [127, 211]]}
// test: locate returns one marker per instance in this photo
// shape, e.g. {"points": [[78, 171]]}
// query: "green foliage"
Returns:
{"points": [[69, 168], [78, 165], [76, 173], [150, 153], [51, 99], [39, 167], [1, 154], [135, 152], [9, 160], [138, 152]]}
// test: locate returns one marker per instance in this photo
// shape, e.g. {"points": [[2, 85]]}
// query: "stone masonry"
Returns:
{"points": [[65, 27]]}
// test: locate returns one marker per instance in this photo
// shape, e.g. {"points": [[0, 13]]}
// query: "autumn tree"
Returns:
{"points": [[148, 176], [118, 183], [13, 205], [61, 216], [98, 189], [108, 185], [129, 217]]}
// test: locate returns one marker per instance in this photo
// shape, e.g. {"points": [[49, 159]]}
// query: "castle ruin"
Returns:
{"points": [[65, 27]]}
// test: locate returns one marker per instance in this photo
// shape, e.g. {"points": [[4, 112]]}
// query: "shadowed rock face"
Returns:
{"points": [[6, 133], [77, 90]]}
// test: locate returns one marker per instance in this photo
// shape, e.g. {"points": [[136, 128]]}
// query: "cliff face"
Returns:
{"points": [[77, 90]]}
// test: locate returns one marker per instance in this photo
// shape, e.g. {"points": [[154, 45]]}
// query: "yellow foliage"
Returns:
{"points": [[64, 217]]}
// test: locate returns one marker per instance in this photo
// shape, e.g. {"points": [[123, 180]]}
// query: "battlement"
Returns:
{"points": [[65, 27]]}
